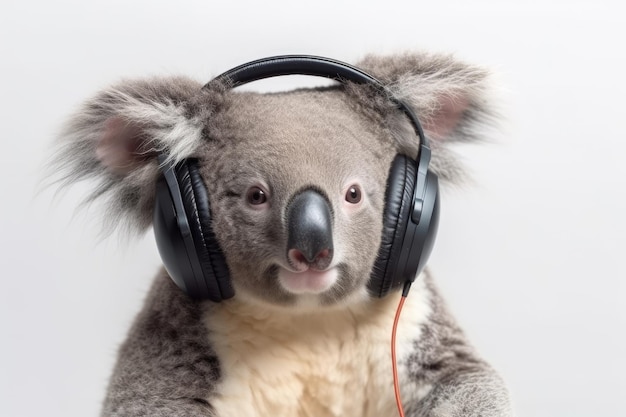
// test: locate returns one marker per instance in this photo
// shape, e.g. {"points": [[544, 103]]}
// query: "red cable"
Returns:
{"points": [[396, 385]]}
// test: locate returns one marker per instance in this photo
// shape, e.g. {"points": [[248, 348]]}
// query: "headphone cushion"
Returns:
{"points": [[398, 203], [196, 201]]}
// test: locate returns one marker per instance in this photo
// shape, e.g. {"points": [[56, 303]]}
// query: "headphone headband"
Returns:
{"points": [[297, 65], [315, 66]]}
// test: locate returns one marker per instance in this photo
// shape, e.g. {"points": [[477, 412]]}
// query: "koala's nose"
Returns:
{"points": [[310, 232]]}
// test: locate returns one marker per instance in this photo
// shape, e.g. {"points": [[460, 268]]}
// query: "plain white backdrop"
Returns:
{"points": [[530, 258]]}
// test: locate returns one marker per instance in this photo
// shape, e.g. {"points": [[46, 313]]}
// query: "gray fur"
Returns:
{"points": [[166, 367], [464, 384], [322, 138]]}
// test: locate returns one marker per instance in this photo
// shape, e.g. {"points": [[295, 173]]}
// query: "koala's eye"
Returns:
{"points": [[353, 195], [256, 196]]}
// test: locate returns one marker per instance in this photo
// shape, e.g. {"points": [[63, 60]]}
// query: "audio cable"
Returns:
{"points": [[394, 366]]}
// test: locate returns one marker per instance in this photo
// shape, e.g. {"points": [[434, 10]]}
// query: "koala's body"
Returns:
{"points": [[303, 335]]}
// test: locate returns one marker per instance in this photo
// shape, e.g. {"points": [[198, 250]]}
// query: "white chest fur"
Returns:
{"points": [[336, 363]]}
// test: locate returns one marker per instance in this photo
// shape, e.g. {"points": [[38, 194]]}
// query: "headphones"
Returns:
{"points": [[182, 215]]}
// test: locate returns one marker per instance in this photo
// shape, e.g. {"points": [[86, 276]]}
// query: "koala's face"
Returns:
{"points": [[297, 184], [296, 180]]}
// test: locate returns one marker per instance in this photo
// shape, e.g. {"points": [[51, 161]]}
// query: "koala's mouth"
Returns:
{"points": [[309, 281]]}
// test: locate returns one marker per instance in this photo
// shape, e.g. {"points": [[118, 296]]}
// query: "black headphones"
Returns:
{"points": [[182, 216]]}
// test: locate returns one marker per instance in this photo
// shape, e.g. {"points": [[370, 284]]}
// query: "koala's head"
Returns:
{"points": [[296, 180]]}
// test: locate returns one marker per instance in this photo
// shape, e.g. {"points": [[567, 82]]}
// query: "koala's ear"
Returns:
{"points": [[115, 137], [450, 98]]}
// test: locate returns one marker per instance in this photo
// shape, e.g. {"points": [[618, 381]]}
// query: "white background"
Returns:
{"points": [[530, 258]]}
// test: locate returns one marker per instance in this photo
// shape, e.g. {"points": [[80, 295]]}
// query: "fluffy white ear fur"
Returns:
{"points": [[451, 99], [143, 118], [114, 138]]}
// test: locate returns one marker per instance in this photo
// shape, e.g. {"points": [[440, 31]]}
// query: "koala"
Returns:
{"points": [[303, 335]]}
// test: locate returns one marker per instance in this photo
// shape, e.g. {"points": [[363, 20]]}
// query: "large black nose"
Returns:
{"points": [[310, 231]]}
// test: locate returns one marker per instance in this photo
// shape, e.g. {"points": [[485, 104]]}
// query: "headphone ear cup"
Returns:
{"points": [[398, 205], [210, 256]]}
